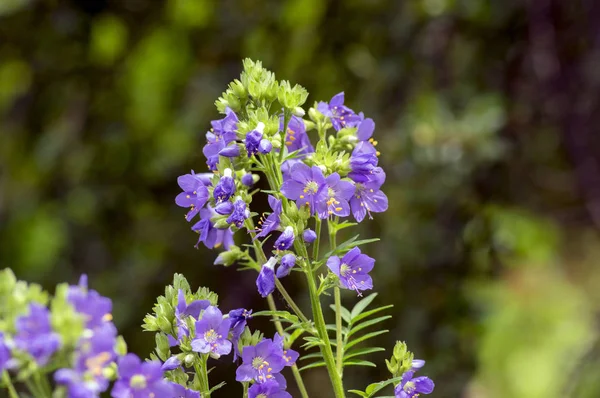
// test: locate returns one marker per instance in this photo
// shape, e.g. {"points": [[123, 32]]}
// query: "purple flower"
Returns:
{"points": [[417, 364], [171, 364], [411, 387], [260, 362], [287, 263], [338, 194], [253, 139], [268, 389], [296, 138], [34, 334], [286, 167], [93, 355], [368, 197], [306, 186], [137, 379], [238, 319], [95, 308], [265, 146], [182, 392], [224, 208], [363, 165], [221, 134], [209, 235], [211, 333], [364, 134], [230, 151], [192, 309], [340, 115], [352, 269], [289, 356], [272, 221], [195, 193], [225, 127], [285, 240], [247, 180], [4, 353], [309, 236], [266, 278], [225, 187], [240, 213]]}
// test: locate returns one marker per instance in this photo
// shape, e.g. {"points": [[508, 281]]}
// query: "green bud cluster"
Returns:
{"points": [[401, 360]]}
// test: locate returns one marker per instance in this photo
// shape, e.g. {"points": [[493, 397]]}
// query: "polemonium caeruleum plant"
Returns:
{"points": [[337, 182]]}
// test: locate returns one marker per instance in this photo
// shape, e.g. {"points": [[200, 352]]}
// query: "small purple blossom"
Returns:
{"points": [[253, 138], [265, 282], [137, 379], [265, 146], [211, 333], [35, 335], [221, 134], [340, 115], [238, 319], [287, 263], [268, 389], [309, 236], [285, 240], [296, 138], [368, 196], [411, 387], [289, 356], [230, 151], [171, 364], [225, 187], [306, 186], [95, 308], [240, 213], [260, 362], [339, 193], [4, 353], [271, 223], [363, 165], [195, 193], [209, 235], [247, 180], [353, 269], [180, 391], [224, 208]]}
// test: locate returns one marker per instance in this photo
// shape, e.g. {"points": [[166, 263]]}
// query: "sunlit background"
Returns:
{"points": [[488, 120]]}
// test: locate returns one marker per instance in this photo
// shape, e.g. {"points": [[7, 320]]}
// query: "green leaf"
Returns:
{"points": [[365, 337], [281, 314], [376, 387], [362, 304], [345, 313], [362, 351], [358, 362], [364, 325], [358, 392], [313, 365], [221, 384], [312, 355], [371, 312]]}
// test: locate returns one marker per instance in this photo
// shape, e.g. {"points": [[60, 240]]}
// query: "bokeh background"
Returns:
{"points": [[488, 118]]}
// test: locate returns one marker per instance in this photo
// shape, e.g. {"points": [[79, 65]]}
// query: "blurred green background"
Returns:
{"points": [[488, 119]]}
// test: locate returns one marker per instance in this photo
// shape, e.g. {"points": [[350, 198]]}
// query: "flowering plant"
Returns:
{"points": [[263, 134]]}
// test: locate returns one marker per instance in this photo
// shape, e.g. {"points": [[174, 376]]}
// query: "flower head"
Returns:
{"points": [[340, 115], [287, 263], [248, 180], [289, 356], [338, 194], [411, 387], [95, 308], [306, 186], [268, 389], [171, 364], [221, 134], [353, 269], [238, 319], [260, 362], [195, 193], [285, 240], [224, 208], [253, 139], [368, 196], [137, 379], [296, 138], [240, 213], [265, 146], [309, 236], [209, 235], [363, 165], [225, 187], [34, 334], [211, 333], [266, 278], [271, 223]]}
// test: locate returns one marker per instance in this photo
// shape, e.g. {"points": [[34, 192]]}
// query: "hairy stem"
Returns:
{"points": [[202, 373], [338, 308]]}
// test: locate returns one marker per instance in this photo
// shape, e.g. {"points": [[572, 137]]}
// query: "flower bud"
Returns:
{"points": [[265, 146], [298, 111], [224, 208], [189, 360], [229, 257], [248, 180], [309, 236], [164, 325]]}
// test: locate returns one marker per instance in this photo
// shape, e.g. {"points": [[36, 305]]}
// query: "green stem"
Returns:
{"points": [[338, 308], [201, 372], [42, 381], [245, 389], [34, 388], [279, 329], [318, 241], [9, 385]]}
